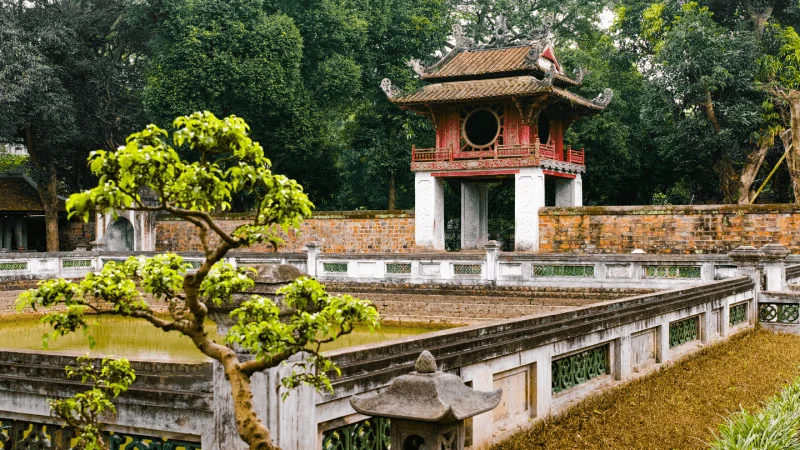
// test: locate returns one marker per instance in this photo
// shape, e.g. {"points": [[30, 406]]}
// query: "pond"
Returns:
{"points": [[137, 339]]}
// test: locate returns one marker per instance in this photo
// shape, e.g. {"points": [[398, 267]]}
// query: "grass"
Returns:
{"points": [[679, 407], [776, 426]]}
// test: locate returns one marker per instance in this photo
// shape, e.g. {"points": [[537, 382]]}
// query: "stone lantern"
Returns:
{"points": [[427, 407]]}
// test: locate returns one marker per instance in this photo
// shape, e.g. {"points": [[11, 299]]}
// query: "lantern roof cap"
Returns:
{"points": [[427, 395]]}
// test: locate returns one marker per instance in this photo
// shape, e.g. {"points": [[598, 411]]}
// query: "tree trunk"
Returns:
{"points": [[793, 155], [251, 429], [392, 193], [728, 179], [710, 114], [47, 192], [751, 167]]}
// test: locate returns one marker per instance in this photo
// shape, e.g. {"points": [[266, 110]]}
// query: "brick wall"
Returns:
{"points": [[73, 233], [667, 229], [340, 232]]}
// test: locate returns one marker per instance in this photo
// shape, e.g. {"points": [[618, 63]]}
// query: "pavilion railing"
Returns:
{"points": [[575, 156], [543, 151]]}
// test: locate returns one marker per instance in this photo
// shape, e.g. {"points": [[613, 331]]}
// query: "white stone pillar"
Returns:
{"points": [[312, 253], [775, 266], [428, 211], [474, 215], [492, 252], [528, 198], [569, 191]]}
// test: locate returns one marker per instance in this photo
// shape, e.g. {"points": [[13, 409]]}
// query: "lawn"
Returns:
{"points": [[679, 407]]}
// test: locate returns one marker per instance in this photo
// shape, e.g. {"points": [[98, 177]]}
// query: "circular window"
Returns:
{"points": [[481, 127]]}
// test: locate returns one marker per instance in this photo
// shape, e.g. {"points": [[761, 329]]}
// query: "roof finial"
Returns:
{"points": [[425, 363], [462, 41], [416, 66], [388, 89], [604, 99]]}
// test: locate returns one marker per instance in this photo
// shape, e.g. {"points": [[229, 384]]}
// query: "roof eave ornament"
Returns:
{"points": [[416, 66], [579, 74], [390, 91], [604, 99], [549, 75], [462, 41]]}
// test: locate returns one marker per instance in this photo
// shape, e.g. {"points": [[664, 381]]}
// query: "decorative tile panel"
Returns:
{"points": [[672, 271], [684, 331], [398, 268], [20, 265], [370, 434], [23, 435], [563, 271], [335, 267], [779, 312], [75, 263], [467, 269], [738, 314], [579, 368]]}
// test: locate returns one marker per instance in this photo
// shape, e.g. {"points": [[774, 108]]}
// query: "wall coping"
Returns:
{"points": [[317, 215], [371, 366], [651, 210]]}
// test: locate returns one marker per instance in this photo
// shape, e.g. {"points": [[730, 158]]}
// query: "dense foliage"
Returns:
{"points": [[703, 89]]}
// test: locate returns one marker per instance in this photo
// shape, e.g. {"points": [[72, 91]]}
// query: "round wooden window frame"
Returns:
{"points": [[464, 128]]}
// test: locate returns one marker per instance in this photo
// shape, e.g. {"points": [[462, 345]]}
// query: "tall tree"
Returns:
{"points": [[68, 85], [350, 46], [234, 57]]}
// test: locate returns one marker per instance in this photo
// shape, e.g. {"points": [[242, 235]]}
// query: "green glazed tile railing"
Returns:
{"points": [[370, 434], [684, 331], [23, 265], [738, 314], [579, 368], [467, 269], [672, 271], [563, 271], [778, 312], [71, 263], [398, 268], [22, 435], [335, 267]]}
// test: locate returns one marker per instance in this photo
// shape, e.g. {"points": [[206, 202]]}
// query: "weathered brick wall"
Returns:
{"points": [[340, 232], [667, 229], [73, 233]]}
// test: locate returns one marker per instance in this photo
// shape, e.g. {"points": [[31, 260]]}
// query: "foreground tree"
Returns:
{"points": [[85, 411], [308, 316]]}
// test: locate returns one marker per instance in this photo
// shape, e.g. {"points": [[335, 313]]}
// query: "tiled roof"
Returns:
{"points": [[17, 194], [487, 61], [457, 91]]}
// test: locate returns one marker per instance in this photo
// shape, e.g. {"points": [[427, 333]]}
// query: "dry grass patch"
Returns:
{"points": [[678, 407]]}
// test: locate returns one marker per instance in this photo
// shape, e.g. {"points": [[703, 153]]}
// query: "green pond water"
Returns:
{"points": [[131, 338]]}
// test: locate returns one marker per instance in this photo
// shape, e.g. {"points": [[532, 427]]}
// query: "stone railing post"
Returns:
{"points": [[775, 266], [746, 259], [492, 252], [312, 253]]}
